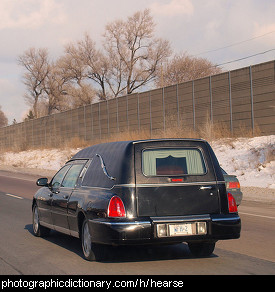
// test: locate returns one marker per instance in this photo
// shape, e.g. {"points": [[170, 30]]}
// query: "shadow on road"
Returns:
{"points": [[120, 254]]}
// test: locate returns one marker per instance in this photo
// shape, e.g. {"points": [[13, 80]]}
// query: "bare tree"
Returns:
{"points": [[3, 119], [134, 53], [130, 58], [86, 63], [36, 63], [182, 68], [55, 87]]}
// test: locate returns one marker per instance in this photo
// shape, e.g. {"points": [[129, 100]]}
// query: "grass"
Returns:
{"points": [[208, 131]]}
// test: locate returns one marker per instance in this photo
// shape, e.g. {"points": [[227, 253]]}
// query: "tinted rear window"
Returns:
{"points": [[172, 161]]}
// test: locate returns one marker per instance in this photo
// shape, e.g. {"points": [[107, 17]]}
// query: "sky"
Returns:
{"points": [[219, 30]]}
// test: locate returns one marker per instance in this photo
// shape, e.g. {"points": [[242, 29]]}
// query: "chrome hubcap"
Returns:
{"points": [[35, 220], [86, 240]]}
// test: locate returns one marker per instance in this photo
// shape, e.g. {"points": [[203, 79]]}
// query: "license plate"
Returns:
{"points": [[181, 229]]}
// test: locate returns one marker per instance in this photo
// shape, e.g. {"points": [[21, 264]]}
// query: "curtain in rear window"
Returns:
{"points": [[172, 162]]}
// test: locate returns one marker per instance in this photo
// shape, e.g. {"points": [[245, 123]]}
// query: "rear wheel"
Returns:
{"points": [[91, 251], [38, 230], [201, 249]]}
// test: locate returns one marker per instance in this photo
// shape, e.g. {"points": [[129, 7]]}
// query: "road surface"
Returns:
{"points": [[21, 253]]}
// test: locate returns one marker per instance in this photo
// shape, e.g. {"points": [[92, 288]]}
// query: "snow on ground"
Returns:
{"points": [[49, 159], [251, 159]]}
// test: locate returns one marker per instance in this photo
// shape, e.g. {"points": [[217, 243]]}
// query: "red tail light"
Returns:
{"points": [[233, 185], [176, 179], [116, 208], [232, 206]]}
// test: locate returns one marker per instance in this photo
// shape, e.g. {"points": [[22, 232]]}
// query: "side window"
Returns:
{"points": [[57, 180], [71, 176]]}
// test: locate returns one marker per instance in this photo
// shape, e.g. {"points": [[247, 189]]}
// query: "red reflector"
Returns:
{"points": [[233, 185], [116, 207], [176, 179], [232, 206]]}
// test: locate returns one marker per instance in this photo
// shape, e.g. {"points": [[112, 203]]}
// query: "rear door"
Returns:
{"points": [[175, 178]]}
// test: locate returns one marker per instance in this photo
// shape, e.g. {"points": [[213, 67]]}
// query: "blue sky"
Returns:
{"points": [[195, 26]]}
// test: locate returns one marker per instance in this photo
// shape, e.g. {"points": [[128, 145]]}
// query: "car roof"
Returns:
{"points": [[115, 148]]}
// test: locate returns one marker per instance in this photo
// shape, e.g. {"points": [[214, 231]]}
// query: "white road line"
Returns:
{"points": [[17, 197], [269, 217], [25, 179]]}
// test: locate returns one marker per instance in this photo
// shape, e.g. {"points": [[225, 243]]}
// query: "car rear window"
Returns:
{"points": [[172, 161]]}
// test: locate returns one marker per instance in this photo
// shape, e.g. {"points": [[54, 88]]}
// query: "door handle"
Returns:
{"points": [[65, 197], [206, 188]]}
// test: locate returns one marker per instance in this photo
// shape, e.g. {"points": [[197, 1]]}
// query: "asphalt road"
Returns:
{"points": [[21, 253]]}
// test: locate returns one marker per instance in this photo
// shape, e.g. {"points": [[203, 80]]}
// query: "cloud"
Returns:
{"points": [[173, 8], [12, 100], [29, 14], [267, 31]]}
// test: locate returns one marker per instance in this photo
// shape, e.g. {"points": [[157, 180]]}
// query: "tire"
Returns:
{"points": [[91, 251], [38, 229], [201, 249]]}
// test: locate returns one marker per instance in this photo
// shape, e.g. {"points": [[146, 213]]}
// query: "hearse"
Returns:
{"points": [[139, 192]]}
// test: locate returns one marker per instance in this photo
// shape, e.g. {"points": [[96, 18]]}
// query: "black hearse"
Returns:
{"points": [[139, 192]]}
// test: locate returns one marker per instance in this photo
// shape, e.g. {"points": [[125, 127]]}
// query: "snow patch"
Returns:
{"points": [[250, 159]]}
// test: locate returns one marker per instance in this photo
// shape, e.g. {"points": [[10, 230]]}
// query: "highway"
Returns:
{"points": [[21, 253]]}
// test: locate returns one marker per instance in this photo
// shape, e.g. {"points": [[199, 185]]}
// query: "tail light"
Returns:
{"points": [[232, 206], [116, 207], [233, 185]]}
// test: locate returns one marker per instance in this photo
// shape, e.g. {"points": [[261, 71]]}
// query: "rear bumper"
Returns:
{"points": [[143, 231]]}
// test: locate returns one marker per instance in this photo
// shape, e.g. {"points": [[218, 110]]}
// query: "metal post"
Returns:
{"points": [[211, 99], [178, 105], [108, 118], [163, 106], [72, 122], [92, 122], [150, 109], [54, 125], [32, 135], [127, 112], [193, 98], [99, 120], [85, 126], [117, 121], [252, 101], [138, 114], [230, 102]]}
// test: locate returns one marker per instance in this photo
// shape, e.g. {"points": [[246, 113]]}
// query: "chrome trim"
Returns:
{"points": [[62, 229], [120, 223], [124, 185], [103, 166], [74, 233], [175, 184], [206, 188], [50, 226], [168, 140], [132, 185], [178, 219], [226, 218]]}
